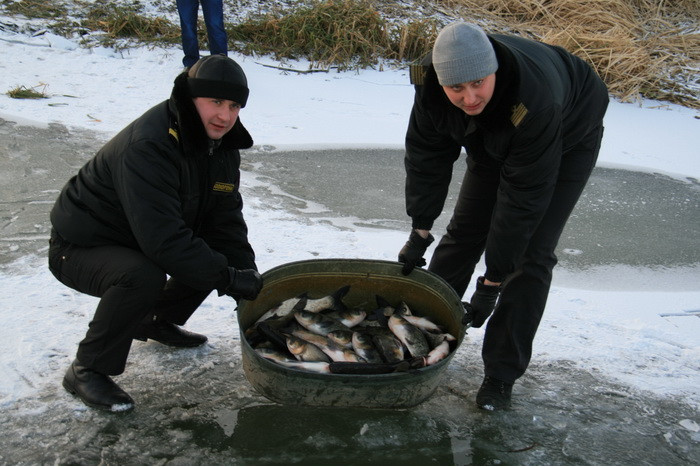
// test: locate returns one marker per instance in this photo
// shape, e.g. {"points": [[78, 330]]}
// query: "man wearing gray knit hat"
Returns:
{"points": [[530, 117], [463, 53]]}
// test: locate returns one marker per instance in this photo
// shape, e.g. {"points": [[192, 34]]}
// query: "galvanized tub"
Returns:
{"points": [[427, 295]]}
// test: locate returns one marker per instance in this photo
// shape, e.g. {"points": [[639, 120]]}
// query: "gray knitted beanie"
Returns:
{"points": [[462, 53]]}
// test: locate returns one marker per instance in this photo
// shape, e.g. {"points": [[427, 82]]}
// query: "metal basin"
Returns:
{"points": [[427, 295]]}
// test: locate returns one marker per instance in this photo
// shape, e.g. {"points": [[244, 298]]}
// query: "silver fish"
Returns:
{"points": [[327, 346], [349, 318], [381, 314], [435, 339], [409, 335], [363, 346], [304, 334], [404, 310], [329, 302], [438, 353], [342, 338], [423, 323], [305, 351], [389, 347], [284, 309], [320, 324], [339, 354], [272, 354], [316, 367]]}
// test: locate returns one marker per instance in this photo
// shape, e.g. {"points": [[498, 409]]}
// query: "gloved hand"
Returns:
{"points": [[482, 303], [244, 283], [411, 255]]}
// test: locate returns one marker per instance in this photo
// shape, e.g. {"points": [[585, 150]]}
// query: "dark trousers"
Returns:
{"points": [[507, 346], [213, 11], [132, 290]]}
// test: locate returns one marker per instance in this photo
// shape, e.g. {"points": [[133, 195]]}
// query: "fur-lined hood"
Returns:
{"points": [[186, 122]]}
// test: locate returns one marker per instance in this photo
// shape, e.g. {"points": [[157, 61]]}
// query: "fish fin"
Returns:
{"points": [[338, 295], [382, 302], [301, 304], [273, 335]]}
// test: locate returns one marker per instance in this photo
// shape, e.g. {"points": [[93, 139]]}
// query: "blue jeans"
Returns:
{"points": [[213, 11]]}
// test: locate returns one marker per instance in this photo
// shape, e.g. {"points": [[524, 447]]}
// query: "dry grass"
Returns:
{"points": [[344, 33], [127, 21], [23, 92]]}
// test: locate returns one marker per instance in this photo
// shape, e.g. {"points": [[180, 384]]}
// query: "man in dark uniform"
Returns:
{"points": [[530, 117], [153, 223]]}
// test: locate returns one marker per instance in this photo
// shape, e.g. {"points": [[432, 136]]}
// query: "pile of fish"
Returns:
{"points": [[323, 335]]}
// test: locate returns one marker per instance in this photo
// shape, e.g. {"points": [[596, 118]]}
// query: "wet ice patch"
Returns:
{"points": [[121, 407], [572, 251], [689, 425]]}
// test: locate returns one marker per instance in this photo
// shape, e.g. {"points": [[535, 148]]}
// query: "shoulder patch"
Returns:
{"points": [[417, 74], [518, 114], [173, 132], [224, 187]]}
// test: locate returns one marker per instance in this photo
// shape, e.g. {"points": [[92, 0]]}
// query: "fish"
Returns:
{"points": [[340, 354], [385, 310], [435, 339], [423, 323], [305, 351], [285, 309], [341, 337], [409, 335], [333, 301], [389, 347], [404, 310], [316, 367], [349, 318], [363, 346], [327, 346], [438, 353], [272, 354], [318, 323]]}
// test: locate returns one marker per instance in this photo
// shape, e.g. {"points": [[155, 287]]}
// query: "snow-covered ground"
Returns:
{"points": [[648, 339]]}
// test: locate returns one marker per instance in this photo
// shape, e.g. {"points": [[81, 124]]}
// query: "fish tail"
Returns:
{"points": [[338, 295]]}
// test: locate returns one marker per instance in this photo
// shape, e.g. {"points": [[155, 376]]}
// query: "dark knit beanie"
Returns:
{"points": [[220, 77], [463, 53]]}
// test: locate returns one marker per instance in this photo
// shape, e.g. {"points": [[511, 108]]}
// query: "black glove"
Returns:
{"points": [[482, 303], [244, 283], [411, 255]]}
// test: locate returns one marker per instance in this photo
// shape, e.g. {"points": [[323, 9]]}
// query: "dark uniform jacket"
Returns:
{"points": [[163, 187], [545, 101]]}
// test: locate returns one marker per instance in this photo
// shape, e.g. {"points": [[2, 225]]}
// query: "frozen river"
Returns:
{"points": [[204, 412]]}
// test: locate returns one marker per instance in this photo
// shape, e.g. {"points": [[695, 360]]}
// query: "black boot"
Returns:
{"points": [[95, 389], [169, 334], [494, 394]]}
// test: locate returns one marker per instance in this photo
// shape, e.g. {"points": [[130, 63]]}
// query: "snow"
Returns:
{"points": [[646, 339]]}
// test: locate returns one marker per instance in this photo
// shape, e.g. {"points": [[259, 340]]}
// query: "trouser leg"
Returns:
{"points": [[128, 285], [507, 347], [460, 249], [188, 11], [213, 11], [177, 302]]}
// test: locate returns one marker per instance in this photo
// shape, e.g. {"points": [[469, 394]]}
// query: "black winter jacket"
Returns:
{"points": [[545, 101], [163, 187]]}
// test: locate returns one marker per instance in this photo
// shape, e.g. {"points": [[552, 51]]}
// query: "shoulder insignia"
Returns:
{"points": [[173, 132], [224, 187], [417, 74], [518, 114]]}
